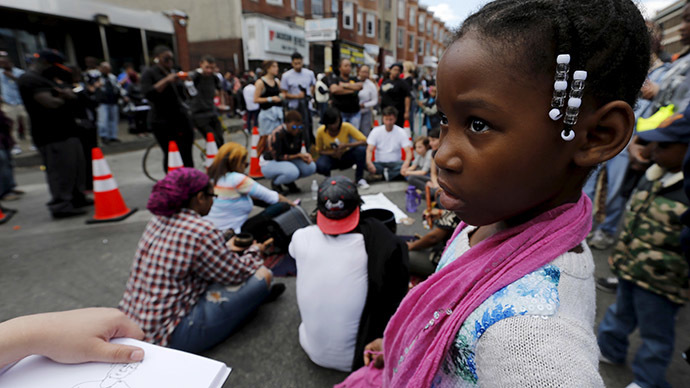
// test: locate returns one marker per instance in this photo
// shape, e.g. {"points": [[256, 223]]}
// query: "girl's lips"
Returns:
{"points": [[449, 199]]}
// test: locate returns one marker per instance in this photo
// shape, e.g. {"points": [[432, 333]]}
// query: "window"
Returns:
{"points": [[428, 26], [410, 42], [348, 14], [334, 7], [317, 7], [371, 20], [401, 37], [428, 48], [275, 2], [387, 31], [388, 4], [435, 31], [401, 9], [413, 15], [420, 46], [360, 20], [300, 7], [421, 22]]}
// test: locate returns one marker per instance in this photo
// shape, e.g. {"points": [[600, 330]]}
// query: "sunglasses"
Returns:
{"points": [[298, 127]]}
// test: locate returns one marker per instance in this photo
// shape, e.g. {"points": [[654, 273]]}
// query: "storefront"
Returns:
{"points": [[351, 51], [266, 38]]}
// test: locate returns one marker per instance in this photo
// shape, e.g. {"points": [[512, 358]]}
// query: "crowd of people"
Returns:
{"points": [[518, 170]]}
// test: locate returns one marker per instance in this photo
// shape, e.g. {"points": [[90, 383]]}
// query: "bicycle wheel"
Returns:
{"points": [[152, 162]]}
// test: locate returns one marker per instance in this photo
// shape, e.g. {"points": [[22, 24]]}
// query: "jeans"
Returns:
{"points": [[7, 183], [419, 181], [252, 119], [284, 172], [217, 314], [352, 118], [393, 168], [654, 315], [615, 202], [366, 122], [270, 119], [206, 124], [108, 117], [356, 155]]}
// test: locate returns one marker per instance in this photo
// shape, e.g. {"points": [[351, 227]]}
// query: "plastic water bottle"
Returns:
{"points": [[412, 199], [303, 150], [314, 190]]}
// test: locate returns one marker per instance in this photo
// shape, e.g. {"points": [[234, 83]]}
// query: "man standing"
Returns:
{"points": [[108, 92], [344, 89], [54, 131], [395, 92], [12, 104], [388, 140], [206, 86], [341, 145], [298, 87]]}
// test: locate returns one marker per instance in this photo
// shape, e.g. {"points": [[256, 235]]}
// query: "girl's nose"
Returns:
{"points": [[448, 157]]}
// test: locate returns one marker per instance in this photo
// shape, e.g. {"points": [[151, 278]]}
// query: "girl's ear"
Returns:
{"points": [[609, 130]]}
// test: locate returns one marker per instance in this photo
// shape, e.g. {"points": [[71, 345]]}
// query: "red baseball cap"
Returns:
{"points": [[338, 206]]}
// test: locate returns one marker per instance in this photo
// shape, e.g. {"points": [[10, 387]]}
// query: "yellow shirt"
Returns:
{"points": [[347, 132]]}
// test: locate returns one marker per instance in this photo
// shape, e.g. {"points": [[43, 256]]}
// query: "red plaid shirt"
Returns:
{"points": [[177, 258]]}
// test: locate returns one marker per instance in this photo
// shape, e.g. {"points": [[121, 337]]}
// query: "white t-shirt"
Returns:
{"points": [[332, 286], [248, 93], [388, 144]]}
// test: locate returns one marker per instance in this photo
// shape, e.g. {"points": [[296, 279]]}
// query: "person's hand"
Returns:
{"points": [[65, 93], [404, 172], [420, 103], [649, 90], [306, 158], [371, 168], [374, 352], [434, 213], [171, 77], [264, 246], [231, 245], [301, 94], [432, 185], [638, 153], [78, 336], [410, 245], [407, 115]]}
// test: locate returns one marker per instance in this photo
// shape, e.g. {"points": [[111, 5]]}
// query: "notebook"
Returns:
{"points": [[161, 367]]}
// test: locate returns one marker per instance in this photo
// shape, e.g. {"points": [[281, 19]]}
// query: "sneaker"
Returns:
{"points": [[609, 284], [278, 188], [276, 290], [69, 213], [633, 385], [292, 188], [10, 197], [16, 150], [605, 360], [362, 184], [601, 240], [686, 355]]}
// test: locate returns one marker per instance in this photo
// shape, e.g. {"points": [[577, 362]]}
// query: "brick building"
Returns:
{"points": [[669, 19]]}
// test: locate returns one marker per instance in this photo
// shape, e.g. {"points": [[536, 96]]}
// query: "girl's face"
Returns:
{"points": [[500, 155], [273, 69], [420, 148]]}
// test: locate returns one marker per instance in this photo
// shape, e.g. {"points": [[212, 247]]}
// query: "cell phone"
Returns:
{"points": [[78, 89]]}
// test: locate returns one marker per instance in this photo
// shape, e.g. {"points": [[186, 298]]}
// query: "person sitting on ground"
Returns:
{"points": [[347, 296], [177, 290], [285, 160], [422, 159], [648, 261], [388, 140], [235, 191], [70, 337], [341, 145], [424, 263]]}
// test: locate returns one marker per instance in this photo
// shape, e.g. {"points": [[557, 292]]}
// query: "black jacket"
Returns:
{"points": [[388, 272]]}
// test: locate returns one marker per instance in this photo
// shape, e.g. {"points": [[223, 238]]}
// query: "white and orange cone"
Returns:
{"points": [[6, 214], [174, 157], [108, 203], [211, 149], [254, 168]]}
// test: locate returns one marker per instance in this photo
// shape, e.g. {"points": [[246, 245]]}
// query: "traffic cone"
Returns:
{"points": [[6, 214], [254, 168], [211, 149], [174, 157], [108, 203], [376, 123], [407, 129]]}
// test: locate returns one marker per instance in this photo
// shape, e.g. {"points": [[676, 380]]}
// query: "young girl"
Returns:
{"points": [[418, 173], [512, 301]]}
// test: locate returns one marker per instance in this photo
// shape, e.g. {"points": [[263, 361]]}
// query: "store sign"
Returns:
{"points": [[353, 53], [284, 41], [321, 30]]}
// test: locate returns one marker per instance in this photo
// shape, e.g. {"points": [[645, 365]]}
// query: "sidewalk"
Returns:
{"points": [[129, 142]]}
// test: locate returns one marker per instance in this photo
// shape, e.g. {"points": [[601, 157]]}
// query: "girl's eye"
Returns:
{"points": [[479, 126], [444, 119]]}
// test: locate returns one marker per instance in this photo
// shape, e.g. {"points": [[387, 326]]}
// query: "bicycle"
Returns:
{"points": [[153, 156]]}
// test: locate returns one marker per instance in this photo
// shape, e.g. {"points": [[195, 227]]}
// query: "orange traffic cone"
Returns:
{"points": [[108, 202], [6, 214], [407, 129], [174, 157], [376, 123], [211, 149], [254, 168]]}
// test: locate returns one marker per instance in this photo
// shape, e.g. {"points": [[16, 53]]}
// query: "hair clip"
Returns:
{"points": [[574, 102], [560, 86]]}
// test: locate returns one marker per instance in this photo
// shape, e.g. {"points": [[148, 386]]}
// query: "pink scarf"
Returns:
{"points": [[428, 319]]}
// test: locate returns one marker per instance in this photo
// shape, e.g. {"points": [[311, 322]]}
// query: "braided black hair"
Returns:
{"points": [[607, 38]]}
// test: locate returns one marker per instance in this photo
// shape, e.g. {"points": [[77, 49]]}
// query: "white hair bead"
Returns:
{"points": [[580, 75], [555, 114], [574, 102], [560, 85], [570, 136], [563, 58]]}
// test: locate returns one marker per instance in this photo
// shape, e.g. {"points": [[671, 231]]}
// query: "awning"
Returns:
{"points": [[87, 9]]}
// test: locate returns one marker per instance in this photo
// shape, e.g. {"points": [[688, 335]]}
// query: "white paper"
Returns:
{"points": [[380, 201], [161, 367]]}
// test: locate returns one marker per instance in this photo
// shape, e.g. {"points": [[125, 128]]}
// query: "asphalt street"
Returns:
{"points": [[50, 265]]}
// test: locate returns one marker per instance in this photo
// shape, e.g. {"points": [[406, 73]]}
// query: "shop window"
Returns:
{"points": [[348, 15], [371, 19]]}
